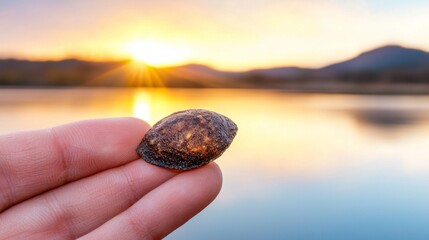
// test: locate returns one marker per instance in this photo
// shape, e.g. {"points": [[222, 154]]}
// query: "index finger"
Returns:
{"points": [[36, 161]]}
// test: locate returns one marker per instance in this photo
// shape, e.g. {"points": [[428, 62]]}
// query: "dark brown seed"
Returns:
{"points": [[187, 139]]}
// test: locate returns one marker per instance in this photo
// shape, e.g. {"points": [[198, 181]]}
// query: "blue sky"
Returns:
{"points": [[381, 5]]}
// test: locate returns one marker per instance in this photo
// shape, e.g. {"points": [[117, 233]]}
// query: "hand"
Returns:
{"points": [[85, 180]]}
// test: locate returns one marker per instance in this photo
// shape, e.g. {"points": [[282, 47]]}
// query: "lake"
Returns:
{"points": [[303, 166]]}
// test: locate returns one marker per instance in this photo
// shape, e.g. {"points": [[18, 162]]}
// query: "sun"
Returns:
{"points": [[157, 53]]}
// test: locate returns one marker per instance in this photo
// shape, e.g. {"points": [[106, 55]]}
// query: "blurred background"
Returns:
{"points": [[330, 97]]}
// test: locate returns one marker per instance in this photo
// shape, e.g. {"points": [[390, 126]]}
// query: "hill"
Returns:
{"points": [[383, 59], [383, 69]]}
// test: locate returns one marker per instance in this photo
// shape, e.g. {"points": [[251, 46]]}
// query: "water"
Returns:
{"points": [[303, 166]]}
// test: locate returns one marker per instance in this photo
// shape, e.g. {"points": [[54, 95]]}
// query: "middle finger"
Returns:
{"points": [[79, 207]]}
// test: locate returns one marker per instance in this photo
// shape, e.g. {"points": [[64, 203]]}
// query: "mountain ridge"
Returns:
{"points": [[384, 65], [385, 58], [390, 56]]}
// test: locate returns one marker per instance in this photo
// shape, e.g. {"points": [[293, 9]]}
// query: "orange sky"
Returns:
{"points": [[230, 35]]}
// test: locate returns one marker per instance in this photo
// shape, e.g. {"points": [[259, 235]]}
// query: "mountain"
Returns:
{"points": [[388, 63], [383, 68], [279, 72], [193, 67], [382, 59], [388, 69]]}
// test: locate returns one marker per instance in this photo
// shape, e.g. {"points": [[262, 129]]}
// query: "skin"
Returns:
{"points": [[84, 180]]}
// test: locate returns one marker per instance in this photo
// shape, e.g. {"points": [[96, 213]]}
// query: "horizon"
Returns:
{"points": [[165, 33], [212, 67]]}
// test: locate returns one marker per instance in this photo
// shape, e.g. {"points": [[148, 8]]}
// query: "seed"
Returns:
{"points": [[187, 139]]}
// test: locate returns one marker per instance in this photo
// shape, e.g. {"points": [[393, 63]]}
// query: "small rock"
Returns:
{"points": [[187, 139]]}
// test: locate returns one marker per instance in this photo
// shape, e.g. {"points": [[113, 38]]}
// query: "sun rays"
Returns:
{"points": [[129, 74], [157, 64]]}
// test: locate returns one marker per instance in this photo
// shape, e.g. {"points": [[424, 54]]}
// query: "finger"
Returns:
{"points": [[36, 161], [79, 207], [165, 208]]}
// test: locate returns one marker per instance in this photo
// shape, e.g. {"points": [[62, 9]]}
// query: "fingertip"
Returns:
{"points": [[209, 174], [215, 177], [92, 131], [118, 122], [97, 144], [136, 123]]}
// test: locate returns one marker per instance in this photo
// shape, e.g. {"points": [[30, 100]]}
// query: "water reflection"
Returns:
{"points": [[142, 105], [301, 167], [388, 119]]}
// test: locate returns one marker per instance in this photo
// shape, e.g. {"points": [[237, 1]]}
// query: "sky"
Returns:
{"points": [[225, 34]]}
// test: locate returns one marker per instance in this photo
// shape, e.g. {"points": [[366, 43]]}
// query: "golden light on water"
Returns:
{"points": [[157, 53], [293, 135], [141, 108]]}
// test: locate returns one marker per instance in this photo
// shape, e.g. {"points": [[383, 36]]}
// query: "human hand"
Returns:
{"points": [[85, 180]]}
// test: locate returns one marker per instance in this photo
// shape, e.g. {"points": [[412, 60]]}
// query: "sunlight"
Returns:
{"points": [[157, 53], [142, 105]]}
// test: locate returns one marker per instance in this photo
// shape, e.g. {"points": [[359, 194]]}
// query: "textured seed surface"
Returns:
{"points": [[187, 139]]}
